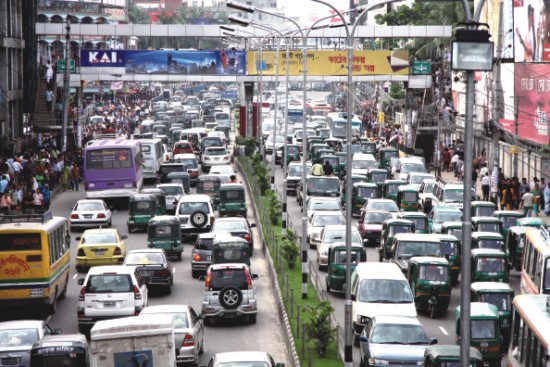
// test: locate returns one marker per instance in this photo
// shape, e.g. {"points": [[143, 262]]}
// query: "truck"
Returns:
{"points": [[136, 341]]}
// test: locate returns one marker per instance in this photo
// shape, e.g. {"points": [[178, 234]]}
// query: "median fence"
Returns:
{"points": [[294, 312]]}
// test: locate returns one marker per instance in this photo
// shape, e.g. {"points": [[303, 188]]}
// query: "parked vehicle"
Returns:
{"points": [[337, 260], [164, 233]]}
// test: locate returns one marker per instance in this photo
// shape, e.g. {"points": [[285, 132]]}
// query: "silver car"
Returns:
{"points": [[214, 156], [229, 292], [188, 330], [17, 339], [243, 359]]}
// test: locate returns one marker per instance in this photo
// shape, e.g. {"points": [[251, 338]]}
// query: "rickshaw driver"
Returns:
{"points": [[480, 329], [431, 273], [327, 168]]}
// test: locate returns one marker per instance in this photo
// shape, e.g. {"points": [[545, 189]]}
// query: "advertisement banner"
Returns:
{"points": [[190, 62], [532, 31], [490, 15], [532, 91], [330, 63]]}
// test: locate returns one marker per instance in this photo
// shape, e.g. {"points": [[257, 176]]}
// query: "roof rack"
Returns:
{"points": [[23, 218]]}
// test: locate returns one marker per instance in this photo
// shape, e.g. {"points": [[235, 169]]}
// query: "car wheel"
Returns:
{"points": [[199, 218], [230, 297]]}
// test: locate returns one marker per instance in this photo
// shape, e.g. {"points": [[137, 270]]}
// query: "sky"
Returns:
{"points": [[309, 10]]}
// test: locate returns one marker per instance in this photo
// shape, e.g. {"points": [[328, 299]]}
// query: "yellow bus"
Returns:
{"points": [[34, 259], [530, 332], [535, 266]]}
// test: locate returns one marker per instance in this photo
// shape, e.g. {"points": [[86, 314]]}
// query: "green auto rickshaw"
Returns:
{"points": [[340, 169], [323, 134], [501, 296], [485, 333], [332, 159], [407, 198], [313, 148], [430, 281], [389, 189], [419, 219], [230, 249], [514, 242], [531, 222], [232, 200], [369, 147], [449, 356], [161, 200], [209, 185], [180, 178], [317, 154], [483, 208], [451, 248], [489, 265], [508, 219], [390, 228], [488, 240], [292, 154], [354, 179], [486, 224], [335, 279], [165, 232], [142, 208], [453, 228], [385, 155], [378, 176], [360, 192]]}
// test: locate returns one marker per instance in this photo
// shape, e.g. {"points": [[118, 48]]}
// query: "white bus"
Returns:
{"points": [[153, 157]]}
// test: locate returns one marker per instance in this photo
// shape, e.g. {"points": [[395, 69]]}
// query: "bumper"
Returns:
{"points": [[200, 266], [149, 175], [114, 193], [219, 311], [156, 281], [89, 223], [186, 355], [82, 262], [188, 232], [372, 239]]}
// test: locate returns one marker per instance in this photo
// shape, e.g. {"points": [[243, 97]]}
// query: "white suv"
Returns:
{"points": [[110, 292], [196, 214]]}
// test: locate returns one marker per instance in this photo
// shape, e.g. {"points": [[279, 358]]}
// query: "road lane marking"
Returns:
{"points": [[75, 276], [443, 330], [173, 270]]}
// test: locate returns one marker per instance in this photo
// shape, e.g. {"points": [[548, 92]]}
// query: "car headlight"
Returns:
{"points": [[378, 361]]}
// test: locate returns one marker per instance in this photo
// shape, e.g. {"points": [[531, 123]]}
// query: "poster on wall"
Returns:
{"points": [[531, 30], [532, 92], [490, 14], [191, 62]]}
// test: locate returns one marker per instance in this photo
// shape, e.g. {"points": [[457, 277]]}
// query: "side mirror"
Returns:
{"points": [[80, 281], [433, 341], [252, 225], [78, 238], [124, 237], [255, 277], [58, 331], [363, 338]]}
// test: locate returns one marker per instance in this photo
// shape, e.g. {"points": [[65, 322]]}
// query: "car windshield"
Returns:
{"points": [[420, 224], [179, 319], [406, 250], [316, 184], [434, 273], [323, 205], [503, 301], [323, 220], [388, 206], [216, 151], [508, 221], [490, 243], [340, 236], [398, 334], [89, 207], [417, 179], [212, 142], [143, 258], [229, 226], [142, 206], [189, 208], [491, 264], [379, 177], [171, 190], [221, 278], [112, 283], [384, 291], [242, 364], [443, 217], [457, 232], [161, 230], [364, 164], [449, 247], [484, 211], [488, 227], [17, 337], [96, 238], [398, 229], [367, 192], [393, 188], [429, 188], [377, 218], [409, 196], [483, 329], [412, 167], [230, 195], [453, 196], [222, 170]]}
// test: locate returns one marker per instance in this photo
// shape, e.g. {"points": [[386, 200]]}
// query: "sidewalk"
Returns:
{"points": [[449, 176]]}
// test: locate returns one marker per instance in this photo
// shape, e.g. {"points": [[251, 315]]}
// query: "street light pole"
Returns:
{"points": [[66, 84]]}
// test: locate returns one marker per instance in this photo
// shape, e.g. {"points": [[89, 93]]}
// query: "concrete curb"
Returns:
{"points": [[283, 316]]}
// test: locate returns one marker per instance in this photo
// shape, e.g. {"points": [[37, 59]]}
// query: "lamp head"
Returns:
{"points": [[240, 21], [240, 6]]}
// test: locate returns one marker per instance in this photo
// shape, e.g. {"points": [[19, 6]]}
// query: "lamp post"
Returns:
{"points": [[348, 355], [250, 9], [66, 84]]}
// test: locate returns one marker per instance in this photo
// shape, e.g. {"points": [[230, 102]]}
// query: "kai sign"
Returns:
{"points": [[334, 63]]}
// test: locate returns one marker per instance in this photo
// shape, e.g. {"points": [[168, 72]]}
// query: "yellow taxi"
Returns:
{"points": [[104, 246]]}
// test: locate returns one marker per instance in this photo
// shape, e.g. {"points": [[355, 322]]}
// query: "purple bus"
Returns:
{"points": [[112, 168]]}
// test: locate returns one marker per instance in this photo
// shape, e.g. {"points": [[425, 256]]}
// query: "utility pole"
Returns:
{"points": [[497, 93], [66, 84], [516, 116]]}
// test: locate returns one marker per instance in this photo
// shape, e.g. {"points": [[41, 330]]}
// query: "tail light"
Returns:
{"points": [[206, 158], [162, 273], [196, 257], [226, 158], [247, 237], [82, 294], [212, 220], [207, 280], [74, 216], [99, 216], [248, 279], [137, 295], [188, 341], [80, 252], [117, 252]]}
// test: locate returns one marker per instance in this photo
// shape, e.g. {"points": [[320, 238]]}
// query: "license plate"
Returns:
{"points": [[87, 216], [109, 304], [208, 257], [148, 273], [99, 252], [10, 361], [170, 199]]}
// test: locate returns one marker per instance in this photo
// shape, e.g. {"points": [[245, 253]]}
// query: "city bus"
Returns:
{"points": [[535, 267], [530, 338], [113, 168], [34, 260], [337, 122], [153, 157]]}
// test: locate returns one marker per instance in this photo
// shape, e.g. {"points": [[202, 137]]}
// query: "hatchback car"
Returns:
{"points": [[236, 226], [110, 292], [201, 258], [214, 156], [17, 338], [382, 204], [243, 359], [100, 247], [318, 221], [188, 330], [153, 266], [229, 292], [90, 213]]}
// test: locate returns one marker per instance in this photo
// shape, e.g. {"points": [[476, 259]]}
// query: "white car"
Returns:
{"points": [[330, 234], [173, 193], [318, 221], [224, 171], [219, 134], [279, 142], [316, 204], [90, 213], [214, 156]]}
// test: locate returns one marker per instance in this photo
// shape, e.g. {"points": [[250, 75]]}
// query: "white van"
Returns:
{"points": [[146, 340], [378, 289], [153, 157], [409, 164]]}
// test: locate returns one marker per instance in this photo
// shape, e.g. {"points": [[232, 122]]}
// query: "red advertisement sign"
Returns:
{"points": [[532, 91]]}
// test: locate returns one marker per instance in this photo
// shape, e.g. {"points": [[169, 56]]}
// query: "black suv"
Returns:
{"points": [[236, 226]]}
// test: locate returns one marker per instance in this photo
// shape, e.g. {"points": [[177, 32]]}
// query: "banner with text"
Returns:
{"points": [[190, 62], [532, 90], [324, 63]]}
